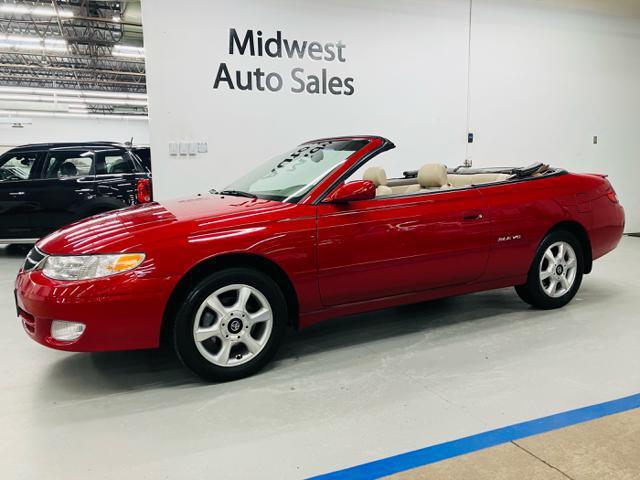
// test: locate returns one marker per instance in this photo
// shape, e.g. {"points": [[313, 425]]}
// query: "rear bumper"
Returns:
{"points": [[122, 312], [607, 229]]}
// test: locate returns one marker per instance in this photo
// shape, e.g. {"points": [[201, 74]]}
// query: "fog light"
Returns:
{"points": [[66, 331]]}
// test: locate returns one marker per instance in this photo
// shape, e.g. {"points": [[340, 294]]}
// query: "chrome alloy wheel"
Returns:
{"points": [[558, 268], [233, 325]]}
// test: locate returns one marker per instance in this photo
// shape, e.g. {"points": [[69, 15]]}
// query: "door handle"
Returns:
{"points": [[473, 216], [16, 194]]}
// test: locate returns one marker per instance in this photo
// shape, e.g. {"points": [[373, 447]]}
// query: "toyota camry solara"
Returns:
{"points": [[311, 234]]}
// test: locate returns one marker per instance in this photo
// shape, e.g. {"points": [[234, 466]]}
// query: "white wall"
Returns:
{"points": [[52, 129], [408, 60], [545, 77], [548, 76]]}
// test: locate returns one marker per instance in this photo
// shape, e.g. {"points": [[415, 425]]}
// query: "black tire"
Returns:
{"points": [[532, 292], [183, 331]]}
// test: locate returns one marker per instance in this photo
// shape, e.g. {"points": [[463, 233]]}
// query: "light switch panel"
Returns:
{"points": [[173, 148], [202, 147], [184, 148], [193, 148]]}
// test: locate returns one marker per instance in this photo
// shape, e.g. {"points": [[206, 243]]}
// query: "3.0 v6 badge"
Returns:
{"points": [[508, 238]]}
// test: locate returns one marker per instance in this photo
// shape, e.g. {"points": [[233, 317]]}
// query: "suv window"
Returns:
{"points": [[69, 163], [113, 162], [16, 167]]}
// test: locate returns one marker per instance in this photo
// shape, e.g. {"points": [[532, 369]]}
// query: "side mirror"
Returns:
{"points": [[353, 191]]}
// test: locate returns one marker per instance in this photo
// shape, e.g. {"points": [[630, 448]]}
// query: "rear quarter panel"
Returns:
{"points": [[522, 213], [607, 219]]}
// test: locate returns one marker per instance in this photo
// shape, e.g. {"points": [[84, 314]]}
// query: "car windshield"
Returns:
{"points": [[290, 176]]}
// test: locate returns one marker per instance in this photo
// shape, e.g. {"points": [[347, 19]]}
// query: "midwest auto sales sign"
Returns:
{"points": [[298, 80]]}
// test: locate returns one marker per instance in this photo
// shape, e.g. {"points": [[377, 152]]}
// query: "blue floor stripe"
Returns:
{"points": [[436, 453]]}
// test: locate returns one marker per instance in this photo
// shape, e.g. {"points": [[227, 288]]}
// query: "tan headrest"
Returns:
{"points": [[376, 175], [432, 175]]}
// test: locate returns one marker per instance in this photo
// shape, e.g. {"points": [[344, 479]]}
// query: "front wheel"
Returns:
{"points": [[230, 324], [556, 273]]}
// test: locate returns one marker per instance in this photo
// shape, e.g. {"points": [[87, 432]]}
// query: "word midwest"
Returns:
{"points": [[254, 44]]}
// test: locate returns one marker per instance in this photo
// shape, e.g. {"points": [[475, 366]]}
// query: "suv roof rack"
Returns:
{"points": [[38, 146]]}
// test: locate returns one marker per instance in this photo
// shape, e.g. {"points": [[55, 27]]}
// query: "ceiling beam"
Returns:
{"points": [[17, 78], [73, 56], [64, 69]]}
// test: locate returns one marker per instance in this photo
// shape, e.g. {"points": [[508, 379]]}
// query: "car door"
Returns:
{"points": [[66, 184], [395, 245], [117, 174], [522, 213], [16, 173]]}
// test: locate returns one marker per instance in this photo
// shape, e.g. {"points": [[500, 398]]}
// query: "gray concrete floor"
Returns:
{"points": [[343, 393]]}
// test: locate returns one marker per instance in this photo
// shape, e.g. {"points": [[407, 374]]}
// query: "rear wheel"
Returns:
{"points": [[230, 324], [556, 273]]}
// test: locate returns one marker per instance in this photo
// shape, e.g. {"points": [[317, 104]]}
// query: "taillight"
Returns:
{"points": [[611, 195], [143, 190]]}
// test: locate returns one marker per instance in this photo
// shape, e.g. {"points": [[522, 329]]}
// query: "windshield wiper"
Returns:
{"points": [[238, 193]]}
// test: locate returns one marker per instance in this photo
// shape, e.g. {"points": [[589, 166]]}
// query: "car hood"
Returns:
{"points": [[130, 228]]}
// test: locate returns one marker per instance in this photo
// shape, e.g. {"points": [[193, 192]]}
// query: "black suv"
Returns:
{"points": [[45, 186]]}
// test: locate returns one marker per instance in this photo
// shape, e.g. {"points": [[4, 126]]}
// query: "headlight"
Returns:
{"points": [[82, 267]]}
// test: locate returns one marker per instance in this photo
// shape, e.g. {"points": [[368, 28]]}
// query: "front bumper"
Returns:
{"points": [[122, 312]]}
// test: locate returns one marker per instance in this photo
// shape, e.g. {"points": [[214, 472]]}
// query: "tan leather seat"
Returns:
{"points": [[378, 176], [432, 176], [458, 181], [480, 178]]}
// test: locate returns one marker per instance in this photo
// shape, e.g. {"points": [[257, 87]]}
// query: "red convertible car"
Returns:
{"points": [[298, 240]]}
